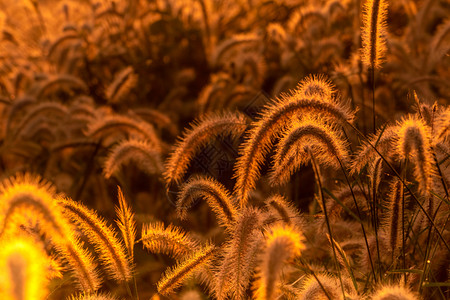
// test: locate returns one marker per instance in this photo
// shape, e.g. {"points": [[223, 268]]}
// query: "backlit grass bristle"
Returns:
{"points": [[201, 133], [215, 194], [102, 236], [81, 262], [343, 260], [374, 32], [171, 241], [283, 244], [375, 172], [185, 269]]}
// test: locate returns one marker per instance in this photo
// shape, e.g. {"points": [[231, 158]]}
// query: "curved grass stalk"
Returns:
{"points": [[202, 131], [215, 194]]}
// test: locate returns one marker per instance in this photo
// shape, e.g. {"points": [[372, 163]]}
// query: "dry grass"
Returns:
{"points": [[316, 132]]}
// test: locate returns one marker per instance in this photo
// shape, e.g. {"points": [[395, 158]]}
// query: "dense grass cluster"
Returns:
{"points": [[212, 149]]}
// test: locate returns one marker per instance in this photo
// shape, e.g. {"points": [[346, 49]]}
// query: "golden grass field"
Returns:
{"points": [[224, 149]]}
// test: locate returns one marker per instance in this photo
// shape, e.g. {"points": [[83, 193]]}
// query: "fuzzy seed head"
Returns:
{"points": [[325, 142], [414, 144], [316, 86], [283, 243], [374, 32], [393, 293], [24, 266]]}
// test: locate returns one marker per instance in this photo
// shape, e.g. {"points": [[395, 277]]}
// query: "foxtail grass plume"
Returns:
{"points": [[59, 82], [283, 244], [325, 142], [146, 156], [274, 119], [393, 292], [171, 241], [393, 222], [123, 82], [375, 172], [24, 266], [185, 269], [374, 32], [342, 206], [215, 194], [126, 223], [96, 296], [107, 125], [325, 287], [102, 236], [25, 199], [343, 260], [203, 130], [444, 124], [316, 86], [236, 268], [414, 144], [281, 210]]}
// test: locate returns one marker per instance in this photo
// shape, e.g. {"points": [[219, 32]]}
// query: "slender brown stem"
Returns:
{"points": [[319, 183]]}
